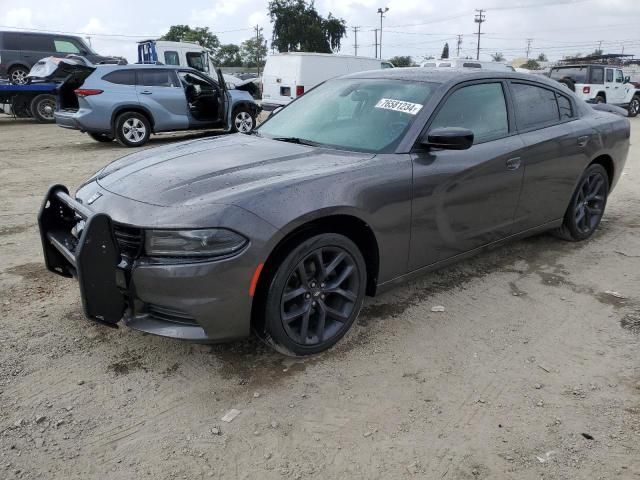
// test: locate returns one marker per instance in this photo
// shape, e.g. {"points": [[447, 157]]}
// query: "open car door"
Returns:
{"points": [[225, 102]]}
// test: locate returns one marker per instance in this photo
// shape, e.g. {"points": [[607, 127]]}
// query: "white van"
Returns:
{"points": [[466, 63], [286, 76]]}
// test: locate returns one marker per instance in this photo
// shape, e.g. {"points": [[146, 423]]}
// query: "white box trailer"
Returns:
{"points": [[286, 76]]}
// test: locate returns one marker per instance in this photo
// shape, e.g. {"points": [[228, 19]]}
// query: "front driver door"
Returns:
{"points": [[465, 199]]}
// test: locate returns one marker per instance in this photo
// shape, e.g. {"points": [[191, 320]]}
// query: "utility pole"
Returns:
{"points": [[480, 18], [258, 47], [89, 38], [529, 40], [600, 45], [381, 12], [458, 47], [376, 41], [355, 39]]}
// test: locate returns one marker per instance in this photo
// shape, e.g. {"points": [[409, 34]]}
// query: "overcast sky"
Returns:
{"points": [[412, 27]]}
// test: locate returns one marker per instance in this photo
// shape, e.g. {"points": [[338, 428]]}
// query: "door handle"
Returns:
{"points": [[582, 141], [146, 92], [514, 163]]}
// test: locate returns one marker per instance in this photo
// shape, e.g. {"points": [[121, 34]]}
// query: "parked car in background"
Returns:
{"points": [[467, 63], [131, 102], [19, 52], [364, 182], [599, 84], [286, 76]]}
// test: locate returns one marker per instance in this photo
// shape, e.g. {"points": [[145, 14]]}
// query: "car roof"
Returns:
{"points": [[421, 74], [42, 34], [137, 66]]}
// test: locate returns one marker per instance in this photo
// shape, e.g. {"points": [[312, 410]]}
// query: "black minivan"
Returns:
{"points": [[19, 51]]}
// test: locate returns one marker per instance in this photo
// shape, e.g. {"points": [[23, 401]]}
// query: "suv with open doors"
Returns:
{"points": [[129, 103]]}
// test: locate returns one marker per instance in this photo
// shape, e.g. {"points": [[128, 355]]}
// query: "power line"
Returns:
{"points": [[109, 34]]}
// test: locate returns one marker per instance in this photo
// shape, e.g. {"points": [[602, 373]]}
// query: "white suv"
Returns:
{"points": [[599, 84]]}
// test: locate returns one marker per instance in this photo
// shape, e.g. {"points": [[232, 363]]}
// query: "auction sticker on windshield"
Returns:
{"points": [[399, 106]]}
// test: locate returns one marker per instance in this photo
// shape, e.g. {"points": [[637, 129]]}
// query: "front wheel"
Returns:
{"points": [[243, 120], [634, 106], [587, 205], [43, 108], [132, 129], [314, 295], [18, 75]]}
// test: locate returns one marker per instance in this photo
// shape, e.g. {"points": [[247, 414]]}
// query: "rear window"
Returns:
{"points": [[577, 74], [121, 77], [157, 78]]}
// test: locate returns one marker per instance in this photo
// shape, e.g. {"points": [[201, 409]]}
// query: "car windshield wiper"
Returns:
{"points": [[300, 141]]}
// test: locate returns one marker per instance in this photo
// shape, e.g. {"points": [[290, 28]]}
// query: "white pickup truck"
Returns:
{"points": [[598, 83]]}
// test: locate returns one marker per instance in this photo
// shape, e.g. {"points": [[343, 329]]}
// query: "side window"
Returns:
{"points": [[12, 41], [157, 78], [609, 75], [65, 46], [564, 105], [445, 65], [121, 77], [195, 60], [535, 106], [597, 75], [480, 108], [40, 43], [619, 76], [171, 58], [471, 65]]}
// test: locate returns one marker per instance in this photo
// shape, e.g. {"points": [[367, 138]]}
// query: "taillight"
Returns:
{"points": [[299, 90], [586, 89], [87, 92]]}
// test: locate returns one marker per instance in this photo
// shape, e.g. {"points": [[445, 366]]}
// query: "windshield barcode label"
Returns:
{"points": [[399, 106]]}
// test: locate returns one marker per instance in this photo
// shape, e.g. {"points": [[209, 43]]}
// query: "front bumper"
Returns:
{"points": [[198, 300]]}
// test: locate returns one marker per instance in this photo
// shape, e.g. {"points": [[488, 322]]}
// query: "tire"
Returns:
{"points": [[634, 106], [571, 85], [43, 108], [243, 120], [101, 137], [132, 129], [587, 205], [600, 99], [329, 299], [18, 75]]}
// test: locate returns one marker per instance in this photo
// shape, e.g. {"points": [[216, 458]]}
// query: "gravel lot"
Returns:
{"points": [[533, 370]]}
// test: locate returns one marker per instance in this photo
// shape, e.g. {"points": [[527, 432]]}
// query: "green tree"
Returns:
{"points": [[254, 51], [445, 51], [597, 52], [531, 64], [298, 27], [184, 33], [228, 56], [497, 57], [542, 58], [401, 61]]}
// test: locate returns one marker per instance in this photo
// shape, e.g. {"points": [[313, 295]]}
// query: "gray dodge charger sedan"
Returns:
{"points": [[363, 182]]}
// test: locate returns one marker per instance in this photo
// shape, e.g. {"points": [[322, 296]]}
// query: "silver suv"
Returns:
{"points": [[128, 103]]}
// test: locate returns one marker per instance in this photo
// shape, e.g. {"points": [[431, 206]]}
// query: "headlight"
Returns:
{"points": [[211, 242]]}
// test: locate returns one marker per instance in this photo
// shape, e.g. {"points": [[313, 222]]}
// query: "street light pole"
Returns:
{"points": [[381, 12]]}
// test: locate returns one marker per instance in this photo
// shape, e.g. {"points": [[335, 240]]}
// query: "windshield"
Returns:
{"points": [[577, 74], [369, 115]]}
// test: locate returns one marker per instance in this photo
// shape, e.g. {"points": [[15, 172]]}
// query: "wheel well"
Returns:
{"points": [[23, 65], [139, 110], [248, 105], [351, 227], [607, 162]]}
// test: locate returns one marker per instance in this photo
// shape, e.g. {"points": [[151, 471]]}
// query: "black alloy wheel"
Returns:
{"points": [[587, 205], [315, 295]]}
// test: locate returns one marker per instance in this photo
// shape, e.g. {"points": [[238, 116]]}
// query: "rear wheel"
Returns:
{"points": [[132, 129], [101, 137], [243, 120], [18, 75], [587, 205], [315, 295], [634, 106], [600, 99], [43, 108]]}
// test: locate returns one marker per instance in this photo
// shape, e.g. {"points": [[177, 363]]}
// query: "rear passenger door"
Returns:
{"points": [[555, 141], [160, 92]]}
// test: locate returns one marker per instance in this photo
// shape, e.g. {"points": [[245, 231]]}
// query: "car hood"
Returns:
{"points": [[222, 169]]}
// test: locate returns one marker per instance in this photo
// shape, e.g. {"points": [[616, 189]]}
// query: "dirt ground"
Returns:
{"points": [[532, 371]]}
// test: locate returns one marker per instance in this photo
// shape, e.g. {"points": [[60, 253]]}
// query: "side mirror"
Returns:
{"points": [[448, 138], [627, 79]]}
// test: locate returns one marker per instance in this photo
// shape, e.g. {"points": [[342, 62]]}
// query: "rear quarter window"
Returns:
{"points": [[121, 77], [536, 107], [564, 105], [39, 43]]}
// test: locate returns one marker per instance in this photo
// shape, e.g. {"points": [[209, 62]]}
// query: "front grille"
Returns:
{"points": [[170, 315], [130, 240]]}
